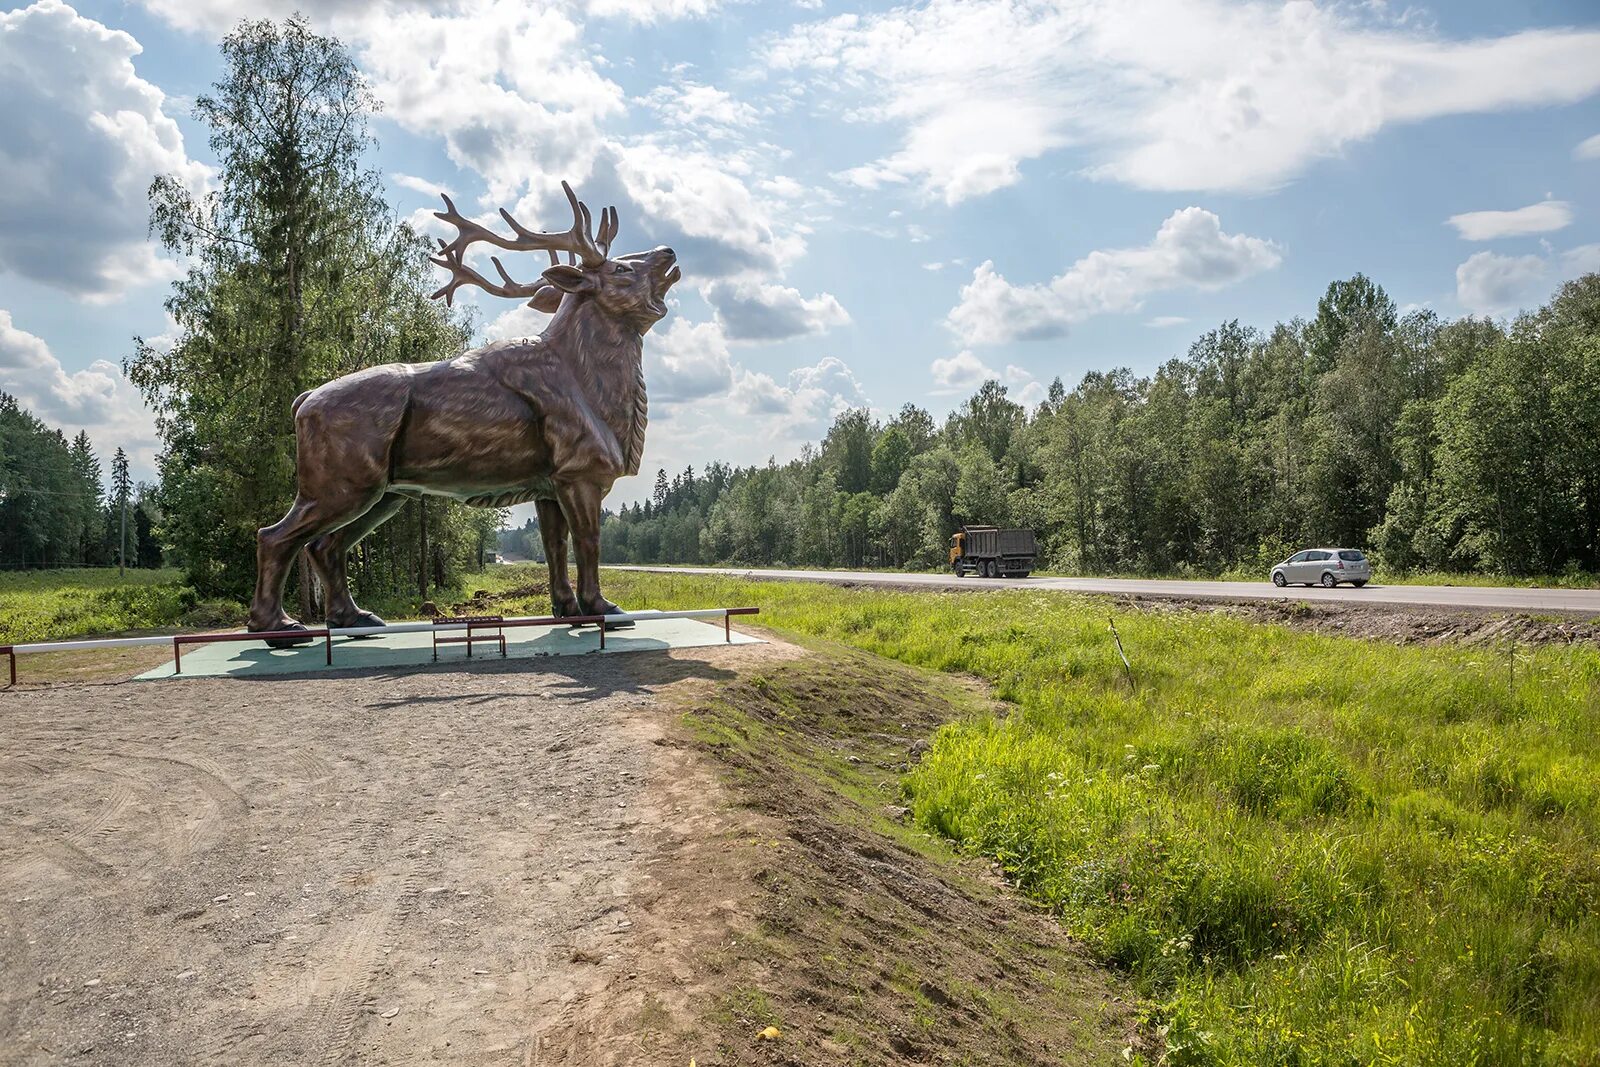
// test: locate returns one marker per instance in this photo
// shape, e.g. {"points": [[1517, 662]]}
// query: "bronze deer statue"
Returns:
{"points": [[556, 420]]}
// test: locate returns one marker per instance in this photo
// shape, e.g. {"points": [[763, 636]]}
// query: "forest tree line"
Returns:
{"points": [[56, 507], [1465, 445]]}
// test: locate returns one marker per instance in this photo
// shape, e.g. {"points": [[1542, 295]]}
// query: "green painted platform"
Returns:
{"points": [[238, 659]]}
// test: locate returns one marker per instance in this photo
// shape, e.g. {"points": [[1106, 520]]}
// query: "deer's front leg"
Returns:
{"points": [[553, 530], [580, 502]]}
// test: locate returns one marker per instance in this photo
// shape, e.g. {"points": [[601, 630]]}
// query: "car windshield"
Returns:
{"points": [[1350, 555]]}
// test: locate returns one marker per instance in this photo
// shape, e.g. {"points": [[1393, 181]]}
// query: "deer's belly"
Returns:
{"points": [[470, 444]]}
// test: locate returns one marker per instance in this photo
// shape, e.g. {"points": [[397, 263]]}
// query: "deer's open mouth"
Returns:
{"points": [[664, 282]]}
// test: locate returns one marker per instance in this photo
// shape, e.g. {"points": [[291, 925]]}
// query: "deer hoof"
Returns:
{"points": [[282, 642], [360, 618], [605, 607]]}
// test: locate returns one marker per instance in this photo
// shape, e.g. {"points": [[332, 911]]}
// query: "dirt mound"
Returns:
{"points": [[873, 944], [484, 602], [1396, 623]]}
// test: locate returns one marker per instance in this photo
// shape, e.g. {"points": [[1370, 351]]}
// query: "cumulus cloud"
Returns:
{"points": [[1161, 322], [687, 361], [752, 310], [1159, 94], [703, 107], [959, 373], [98, 399], [518, 93], [1544, 217], [81, 137], [1491, 284], [1190, 250], [807, 401], [216, 17], [1588, 148]]}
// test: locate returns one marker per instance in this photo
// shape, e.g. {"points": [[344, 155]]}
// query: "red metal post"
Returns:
{"points": [[727, 627], [327, 637], [602, 635], [177, 656]]}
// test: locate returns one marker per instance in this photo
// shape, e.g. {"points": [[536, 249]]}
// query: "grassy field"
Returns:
{"points": [[57, 604], [1305, 849], [1302, 848]]}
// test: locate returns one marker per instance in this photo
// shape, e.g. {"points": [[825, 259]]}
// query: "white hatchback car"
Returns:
{"points": [[1326, 567]]}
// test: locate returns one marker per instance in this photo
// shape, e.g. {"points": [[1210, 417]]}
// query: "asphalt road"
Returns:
{"points": [[1578, 601]]}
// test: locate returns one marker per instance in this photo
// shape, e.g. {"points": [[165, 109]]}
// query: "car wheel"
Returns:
{"points": [[1328, 580], [1279, 580]]}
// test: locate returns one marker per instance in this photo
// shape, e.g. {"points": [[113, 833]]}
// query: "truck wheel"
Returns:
{"points": [[986, 568]]}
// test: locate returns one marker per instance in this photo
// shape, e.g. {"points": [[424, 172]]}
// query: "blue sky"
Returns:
{"points": [[874, 204]]}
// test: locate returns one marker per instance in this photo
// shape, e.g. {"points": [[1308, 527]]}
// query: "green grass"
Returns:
{"points": [[1305, 849], [54, 605]]}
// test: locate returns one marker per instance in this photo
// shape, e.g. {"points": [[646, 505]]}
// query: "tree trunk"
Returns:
{"points": [[422, 548]]}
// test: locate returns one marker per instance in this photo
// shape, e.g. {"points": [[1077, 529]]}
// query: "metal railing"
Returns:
{"points": [[327, 634]]}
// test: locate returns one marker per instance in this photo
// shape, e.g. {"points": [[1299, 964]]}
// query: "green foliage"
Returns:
{"points": [[1306, 849], [1442, 446], [54, 605]]}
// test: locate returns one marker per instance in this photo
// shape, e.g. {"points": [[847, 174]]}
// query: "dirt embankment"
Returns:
{"points": [[618, 860], [1399, 624]]}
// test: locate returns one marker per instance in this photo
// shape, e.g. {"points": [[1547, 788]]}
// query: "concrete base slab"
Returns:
{"points": [[242, 659]]}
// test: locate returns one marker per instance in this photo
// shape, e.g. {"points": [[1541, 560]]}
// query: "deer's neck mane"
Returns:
{"points": [[608, 357]]}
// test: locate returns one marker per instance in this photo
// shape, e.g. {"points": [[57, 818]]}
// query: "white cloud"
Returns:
{"points": [[648, 11], [508, 87], [1588, 148], [216, 17], [81, 137], [702, 107], [517, 93], [959, 373], [1585, 259], [420, 185], [1190, 250], [520, 321], [807, 402], [1025, 388], [1544, 217], [1159, 94], [1161, 322], [1492, 284], [1489, 283], [98, 399], [752, 310], [687, 361]]}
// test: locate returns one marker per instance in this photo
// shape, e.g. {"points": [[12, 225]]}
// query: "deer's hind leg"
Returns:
{"points": [[276, 545], [329, 554]]}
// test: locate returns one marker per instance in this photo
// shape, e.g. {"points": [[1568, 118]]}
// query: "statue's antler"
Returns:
{"points": [[577, 243]]}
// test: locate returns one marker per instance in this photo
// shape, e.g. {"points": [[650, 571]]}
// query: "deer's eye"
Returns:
{"points": [[621, 268]]}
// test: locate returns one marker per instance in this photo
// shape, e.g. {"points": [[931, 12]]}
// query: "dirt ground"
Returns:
{"points": [[562, 861], [1397, 623], [452, 865]]}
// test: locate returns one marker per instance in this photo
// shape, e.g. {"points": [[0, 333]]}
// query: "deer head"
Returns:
{"points": [[631, 288]]}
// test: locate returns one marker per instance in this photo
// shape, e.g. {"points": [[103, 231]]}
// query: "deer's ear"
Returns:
{"points": [[569, 278], [547, 299]]}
